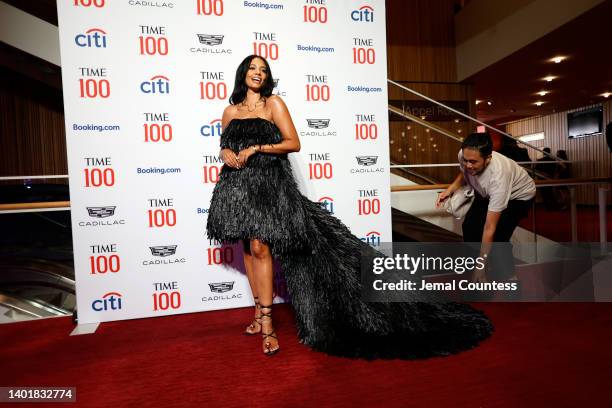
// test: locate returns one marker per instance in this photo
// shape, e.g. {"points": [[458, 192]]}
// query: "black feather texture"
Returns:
{"points": [[321, 261]]}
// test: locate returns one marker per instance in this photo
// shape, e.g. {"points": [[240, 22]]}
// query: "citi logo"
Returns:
{"points": [[110, 301], [327, 203], [372, 238], [163, 250], [101, 212], [318, 123], [210, 39], [93, 38], [221, 287], [363, 13], [158, 84], [212, 129], [366, 160]]}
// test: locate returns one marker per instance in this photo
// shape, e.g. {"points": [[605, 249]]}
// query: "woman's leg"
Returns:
{"points": [[255, 326], [263, 274]]}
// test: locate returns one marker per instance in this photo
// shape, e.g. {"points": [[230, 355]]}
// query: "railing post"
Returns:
{"points": [[533, 226], [573, 214], [603, 223]]}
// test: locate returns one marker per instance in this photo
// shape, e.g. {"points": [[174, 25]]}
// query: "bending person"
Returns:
{"points": [[503, 193]]}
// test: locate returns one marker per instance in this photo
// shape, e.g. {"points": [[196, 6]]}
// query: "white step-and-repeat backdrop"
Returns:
{"points": [[145, 83]]}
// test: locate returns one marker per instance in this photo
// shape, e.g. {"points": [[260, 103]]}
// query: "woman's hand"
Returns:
{"points": [[229, 158], [244, 155]]}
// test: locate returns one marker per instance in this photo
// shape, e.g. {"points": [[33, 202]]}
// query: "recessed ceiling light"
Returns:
{"points": [[606, 94], [423, 117], [549, 78], [543, 93], [489, 103], [557, 59], [538, 103]]}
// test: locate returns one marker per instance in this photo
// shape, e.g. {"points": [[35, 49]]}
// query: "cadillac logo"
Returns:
{"points": [[101, 212], [366, 160], [210, 39], [163, 250], [318, 123], [221, 287]]}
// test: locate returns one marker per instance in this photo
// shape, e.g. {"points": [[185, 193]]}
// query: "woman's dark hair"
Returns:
{"points": [[240, 87], [479, 141]]}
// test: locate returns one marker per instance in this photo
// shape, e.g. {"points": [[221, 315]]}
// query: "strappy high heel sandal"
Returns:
{"points": [[269, 351], [251, 329]]}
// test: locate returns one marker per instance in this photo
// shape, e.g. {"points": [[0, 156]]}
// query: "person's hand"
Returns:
{"points": [[479, 274], [244, 155], [443, 196], [230, 158]]}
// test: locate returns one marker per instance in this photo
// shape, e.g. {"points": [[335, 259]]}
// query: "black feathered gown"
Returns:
{"points": [[321, 261]]}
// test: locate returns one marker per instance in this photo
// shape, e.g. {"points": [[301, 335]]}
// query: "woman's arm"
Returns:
{"points": [[282, 119], [228, 156]]}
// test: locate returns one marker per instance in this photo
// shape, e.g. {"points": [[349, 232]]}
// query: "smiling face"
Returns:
{"points": [[473, 161], [256, 74]]}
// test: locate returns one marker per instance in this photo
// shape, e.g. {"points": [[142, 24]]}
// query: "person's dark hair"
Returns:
{"points": [[240, 87], [546, 149], [510, 141], [562, 154], [479, 141]]}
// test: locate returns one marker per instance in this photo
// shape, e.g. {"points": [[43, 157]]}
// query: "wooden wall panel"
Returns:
{"points": [[32, 133], [591, 153], [421, 40]]}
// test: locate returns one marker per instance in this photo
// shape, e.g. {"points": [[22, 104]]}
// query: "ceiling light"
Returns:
{"points": [[549, 78], [478, 101], [558, 59], [606, 94], [543, 93], [489, 103], [423, 117], [538, 103]]}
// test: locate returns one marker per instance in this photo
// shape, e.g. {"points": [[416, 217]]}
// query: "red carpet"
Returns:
{"points": [[540, 355]]}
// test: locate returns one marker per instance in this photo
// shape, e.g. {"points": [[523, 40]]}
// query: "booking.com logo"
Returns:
{"points": [[212, 129], [93, 38], [363, 13]]}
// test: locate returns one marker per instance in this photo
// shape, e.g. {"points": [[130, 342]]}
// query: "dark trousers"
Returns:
{"points": [[501, 258]]}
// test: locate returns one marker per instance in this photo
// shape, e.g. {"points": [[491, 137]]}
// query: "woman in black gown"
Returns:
{"points": [[257, 201]]}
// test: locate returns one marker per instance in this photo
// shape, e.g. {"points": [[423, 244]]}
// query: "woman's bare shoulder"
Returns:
{"points": [[275, 100], [230, 110]]}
